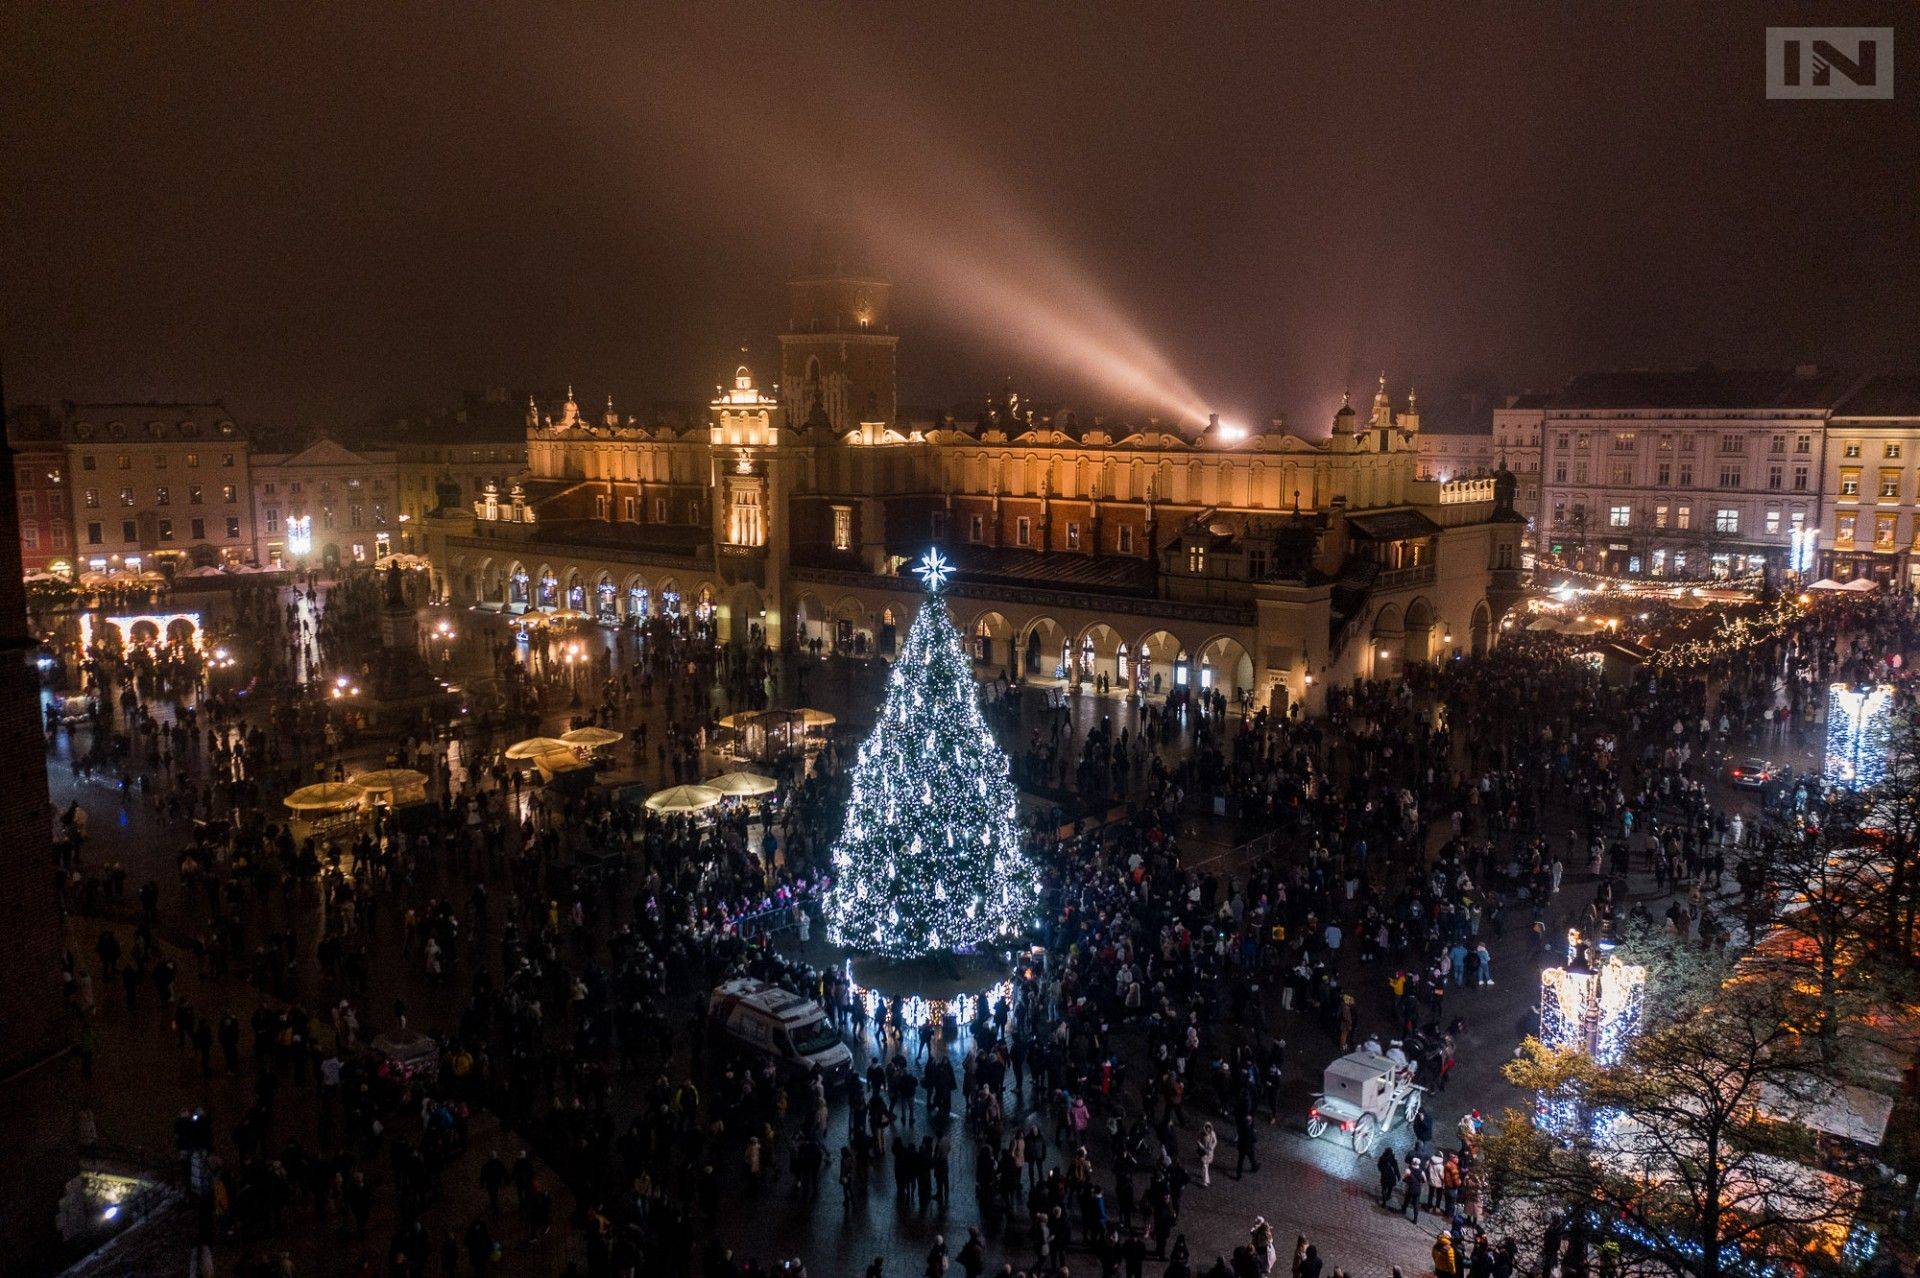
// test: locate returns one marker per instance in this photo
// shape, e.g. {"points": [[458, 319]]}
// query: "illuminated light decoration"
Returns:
{"points": [[1859, 735], [917, 1010], [930, 857], [300, 534], [1804, 542], [933, 571], [1589, 1010]]}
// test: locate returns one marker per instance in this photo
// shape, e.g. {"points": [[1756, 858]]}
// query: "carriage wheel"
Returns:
{"points": [[1315, 1126], [1363, 1132]]}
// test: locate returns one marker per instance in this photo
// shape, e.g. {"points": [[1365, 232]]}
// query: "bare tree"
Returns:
{"points": [[1673, 1155]]}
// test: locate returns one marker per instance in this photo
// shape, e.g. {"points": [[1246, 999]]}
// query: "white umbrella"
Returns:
{"points": [[684, 798]]}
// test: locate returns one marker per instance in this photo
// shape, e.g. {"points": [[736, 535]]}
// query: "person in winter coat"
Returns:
{"points": [[1445, 1265], [1209, 1142], [1389, 1165]]}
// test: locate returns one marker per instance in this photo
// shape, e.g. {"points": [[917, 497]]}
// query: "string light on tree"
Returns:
{"points": [[930, 858]]}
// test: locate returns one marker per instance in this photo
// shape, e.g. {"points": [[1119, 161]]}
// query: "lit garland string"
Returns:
{"points": [[930, 858], [1735, 636]]}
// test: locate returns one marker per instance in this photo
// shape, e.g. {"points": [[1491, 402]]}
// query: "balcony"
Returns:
{"points": [[1404, 578]]}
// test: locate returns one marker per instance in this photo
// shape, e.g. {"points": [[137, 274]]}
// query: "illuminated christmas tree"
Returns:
{"points": [[930, 858]]}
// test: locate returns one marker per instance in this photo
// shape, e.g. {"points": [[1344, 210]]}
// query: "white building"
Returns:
{"points": [[1699, 472]]}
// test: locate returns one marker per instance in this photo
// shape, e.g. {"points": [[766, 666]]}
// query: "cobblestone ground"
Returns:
{"points": [[1313, 1187]]}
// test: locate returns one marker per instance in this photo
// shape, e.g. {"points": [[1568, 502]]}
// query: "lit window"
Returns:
{"points": [[1773, 521], [1196, 559], [1726, 520], [1659, 516], [843, 528], [1620, 517]]}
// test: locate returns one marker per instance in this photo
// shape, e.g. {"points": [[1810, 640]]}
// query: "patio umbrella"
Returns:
{"points": [[738, 719], [389, 780], [324, 795], [815, 718], [684, 798], [742, 785], [533, 747], [555, 762], [591, 738]]}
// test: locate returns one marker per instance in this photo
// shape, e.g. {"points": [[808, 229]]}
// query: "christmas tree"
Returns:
{"points": [[930, 858]]}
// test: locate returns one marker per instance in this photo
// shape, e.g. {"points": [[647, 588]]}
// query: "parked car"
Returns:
{"points": [[766, 1020], [1753, 774]]}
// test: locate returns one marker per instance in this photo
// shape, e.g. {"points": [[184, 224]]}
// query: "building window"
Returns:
{"points": [[843, 528], [976, 529], [1729, 476], [1889, 485], [1778, 444], [1196, 559], [1579, 472], [86, 461], [1850, 449], [1623, 474], [93, 534], [273, 519], [126, 496], [1799, 479], [1803, 444], [92, 497], [195, 495], [1559, 472], [1850, 481], [1726, 520], [1623, 442], [1023, 531], [1073, 536], [226, 459], [1843, 529], [1733, 443], [1686, 474], [199, 529], [1559, 513], [193, 461], [659, 510], [1686, 443], [226, 493], [1665, 479], [1620, 517], [1883, 530], [123, 462], [1659, 516], [1126, 539], [166, 530], [600, 506], [1773, 521], [233, 527], [627, 505], [1683, 516], [1891, 452], [271, 488], [1775, 477]]}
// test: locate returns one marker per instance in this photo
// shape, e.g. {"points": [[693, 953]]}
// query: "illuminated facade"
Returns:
{"points": [[1154, 556], [326, 506], [1872, 489], [153, 483], [1698, 472]]}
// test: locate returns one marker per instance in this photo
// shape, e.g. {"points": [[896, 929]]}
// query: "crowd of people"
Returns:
{"points": [[556, 948]]}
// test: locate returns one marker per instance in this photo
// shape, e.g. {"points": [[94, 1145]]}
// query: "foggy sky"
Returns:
{"points": [[319, 216]]}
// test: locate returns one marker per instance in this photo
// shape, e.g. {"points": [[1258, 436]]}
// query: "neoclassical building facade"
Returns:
{"points": [[1204, 556]]}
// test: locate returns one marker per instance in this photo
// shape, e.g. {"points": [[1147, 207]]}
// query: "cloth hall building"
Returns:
{"points": [[1155, 557]]}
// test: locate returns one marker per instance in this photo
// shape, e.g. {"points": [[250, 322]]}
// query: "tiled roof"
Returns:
{"points": [[1888, 395], [1704, 387], [1081, 572], [1392, 525]]}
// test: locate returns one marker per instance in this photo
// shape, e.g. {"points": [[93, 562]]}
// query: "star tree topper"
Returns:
{"points": [[933, 570]]}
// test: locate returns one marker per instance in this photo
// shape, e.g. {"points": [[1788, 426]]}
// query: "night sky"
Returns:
{"points": [[326, 215]]}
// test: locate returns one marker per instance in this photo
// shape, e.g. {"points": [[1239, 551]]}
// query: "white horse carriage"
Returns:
{"points": [[1364, 1094]]}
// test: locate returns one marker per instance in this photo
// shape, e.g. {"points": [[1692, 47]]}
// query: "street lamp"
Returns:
{"points": [[444, 632]]}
